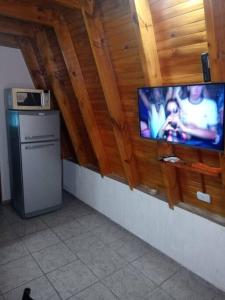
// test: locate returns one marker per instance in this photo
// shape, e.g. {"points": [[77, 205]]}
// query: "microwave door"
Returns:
{"points": [[28, 99]]}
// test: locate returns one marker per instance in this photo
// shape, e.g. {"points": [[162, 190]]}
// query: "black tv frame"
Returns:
{"points": [[178, 143]]}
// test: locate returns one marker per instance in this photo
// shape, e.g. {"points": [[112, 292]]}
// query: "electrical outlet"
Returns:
{"points": [[204, 197]]}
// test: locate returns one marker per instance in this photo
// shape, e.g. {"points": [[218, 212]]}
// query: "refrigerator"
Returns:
{"points": [[35, 161]]}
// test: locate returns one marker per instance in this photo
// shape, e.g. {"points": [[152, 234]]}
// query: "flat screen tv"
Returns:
{"points": [[186, 114]]}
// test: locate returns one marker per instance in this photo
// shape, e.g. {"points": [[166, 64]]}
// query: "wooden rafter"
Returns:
{"points": [[63, 102], [142, 19], [215, 26], [11, 26], [32, 63], [26, 12], [112, 96], [214, 15], [8, 41], [75, 73], [86, 5]]}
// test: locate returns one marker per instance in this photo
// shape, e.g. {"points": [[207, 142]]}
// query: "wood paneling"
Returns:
{"points": [[98, 103], [112, 96], [63, 103]]}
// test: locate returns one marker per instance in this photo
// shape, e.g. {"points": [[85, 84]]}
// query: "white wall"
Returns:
{"points": [[195, 242], [13, 73]]}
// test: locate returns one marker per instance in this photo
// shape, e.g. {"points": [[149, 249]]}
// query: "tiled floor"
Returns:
{"points": [[77, 253]]}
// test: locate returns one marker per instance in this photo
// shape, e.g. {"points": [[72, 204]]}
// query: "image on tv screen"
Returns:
{"points": [[190, 114]]}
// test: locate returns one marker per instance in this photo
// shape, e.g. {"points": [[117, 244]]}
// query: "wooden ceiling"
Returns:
{"points": [[93, 55]]}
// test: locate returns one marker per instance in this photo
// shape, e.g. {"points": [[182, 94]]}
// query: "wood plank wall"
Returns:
{"points": [[63, 76], [92, 81], [181, 38]]}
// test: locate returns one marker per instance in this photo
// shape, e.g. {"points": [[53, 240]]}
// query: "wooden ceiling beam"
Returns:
{"points": [[63, 102], [77, 80], [7, 40], [86, 5], [112, 96], [142, 20], [10, 26], [31, 61], [214, 17], [215, 27], [27, 12]]}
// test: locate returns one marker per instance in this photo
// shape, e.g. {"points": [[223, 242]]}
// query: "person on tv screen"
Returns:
{"points": [[155, 106], [199, 114], [170, 131]]}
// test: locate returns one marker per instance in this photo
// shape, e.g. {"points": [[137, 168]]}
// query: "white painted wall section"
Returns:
{"points": [[13, 73], [195, 242]]}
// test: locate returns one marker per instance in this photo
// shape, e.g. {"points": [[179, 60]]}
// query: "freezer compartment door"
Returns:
{"points": [[39, 126], [42, 176]]}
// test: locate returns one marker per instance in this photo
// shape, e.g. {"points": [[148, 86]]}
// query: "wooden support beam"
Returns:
{"points": [[77, 80], [172, 184], [7, 40], [32, 63], [142, 19], [112, 96], [215, 27], [86, 5], [8, 25], [63, 102], [27, 12]]}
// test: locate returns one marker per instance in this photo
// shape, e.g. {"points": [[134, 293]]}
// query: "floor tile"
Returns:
{"points": [[3, 221], [95, 292], [54, 257], [12, 251], [102, 261], [186, 285], [129, 283], [6, 234], [156, 266], [69, 230], [84, 242], [11, 215], [159, 294], [58, 217], [17, 273], [79, 211], [41, 289], [110, 233], [38, 241], [130, 248], [25, 227], [94, 220], [71, 279]]}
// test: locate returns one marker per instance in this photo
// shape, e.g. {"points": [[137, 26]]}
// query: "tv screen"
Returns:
{"points": [[187, 114]]}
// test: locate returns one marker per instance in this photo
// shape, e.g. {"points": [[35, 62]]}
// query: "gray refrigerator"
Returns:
{"points": [[35, 162]]}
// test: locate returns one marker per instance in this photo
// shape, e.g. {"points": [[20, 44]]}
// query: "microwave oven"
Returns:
{"points": [[27, 99]]}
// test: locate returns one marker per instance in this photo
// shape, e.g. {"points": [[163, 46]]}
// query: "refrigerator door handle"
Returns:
{"points": [[39, 137], [45, 145]]}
